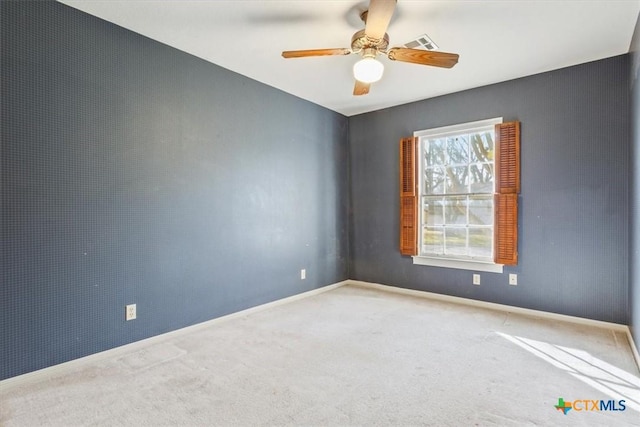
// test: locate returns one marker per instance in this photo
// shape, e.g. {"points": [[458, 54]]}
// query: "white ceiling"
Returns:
{"points": [[497, 40]]}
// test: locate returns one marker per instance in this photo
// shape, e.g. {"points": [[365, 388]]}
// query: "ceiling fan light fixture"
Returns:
{"points": [[368, 70], [373, 41]]}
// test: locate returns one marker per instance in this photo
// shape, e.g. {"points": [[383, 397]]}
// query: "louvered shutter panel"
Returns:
{"points": [[507, 177], [508, 157], [408, 197], [506, 228]]}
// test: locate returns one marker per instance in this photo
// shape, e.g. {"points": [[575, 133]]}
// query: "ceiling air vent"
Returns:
{"points": [[422, 42]]}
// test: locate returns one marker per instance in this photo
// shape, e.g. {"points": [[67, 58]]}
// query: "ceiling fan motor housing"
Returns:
{"points": [[360, 41]]}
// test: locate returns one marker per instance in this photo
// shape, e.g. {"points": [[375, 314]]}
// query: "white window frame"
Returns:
{"points": [[448, 261]]}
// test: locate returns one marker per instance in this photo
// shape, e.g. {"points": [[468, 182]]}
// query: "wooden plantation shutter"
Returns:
{"points": [[508, 157], [506, 228], [507, 177], [408, 197]]}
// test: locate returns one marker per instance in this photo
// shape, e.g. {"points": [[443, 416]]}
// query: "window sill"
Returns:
{"points": [[459, 264]]}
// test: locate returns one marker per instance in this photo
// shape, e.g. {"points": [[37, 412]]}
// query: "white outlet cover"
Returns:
{"points": [[513, 279], [476, 279], [130, 312], [303, 274]]}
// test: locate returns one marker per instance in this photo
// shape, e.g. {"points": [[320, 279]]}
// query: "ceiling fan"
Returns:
{"points": [[373, 41]]}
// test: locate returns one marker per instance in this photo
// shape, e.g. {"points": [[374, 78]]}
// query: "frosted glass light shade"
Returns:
{"points": [[368, 70]]}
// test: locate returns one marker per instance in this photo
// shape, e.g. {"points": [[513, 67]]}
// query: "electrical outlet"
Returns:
{"points": [[130, 312], [476, 279], [303, 274], [513, 279]]}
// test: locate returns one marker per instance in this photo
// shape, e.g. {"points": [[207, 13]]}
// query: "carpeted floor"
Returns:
{"points": [[349, 356]]}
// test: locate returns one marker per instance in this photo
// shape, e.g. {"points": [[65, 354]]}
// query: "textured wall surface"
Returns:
{"points": [[573, 235], [634, 211], [135, 173]]}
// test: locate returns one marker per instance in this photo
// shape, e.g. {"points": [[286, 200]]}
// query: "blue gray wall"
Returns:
{"points": [[634, 211], [135, 173], [573, 235]]}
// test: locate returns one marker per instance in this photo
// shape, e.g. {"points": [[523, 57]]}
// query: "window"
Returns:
{"points": [[459, 189]]}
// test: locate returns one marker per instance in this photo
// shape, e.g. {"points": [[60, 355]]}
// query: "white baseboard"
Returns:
{"points": [[634, 348], [508, 308], [492, 306], [76, 364]]}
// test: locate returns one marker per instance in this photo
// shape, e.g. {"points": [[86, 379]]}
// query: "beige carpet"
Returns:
{"points": [[349, 356]]}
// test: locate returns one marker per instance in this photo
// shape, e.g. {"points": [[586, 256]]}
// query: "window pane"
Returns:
{"points": [[432, 211], [480, 241], [434, 152], [433, 240], [457, 185], [455, 241], [458, 150], [457, 179], [434, 180], [482, 147], [481, 210], [455, 210], [481, 178]]}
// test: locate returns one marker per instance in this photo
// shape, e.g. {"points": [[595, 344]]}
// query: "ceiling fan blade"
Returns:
{"points": [[423, 57], [361, 88], [378, 18], [315, 52]]}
